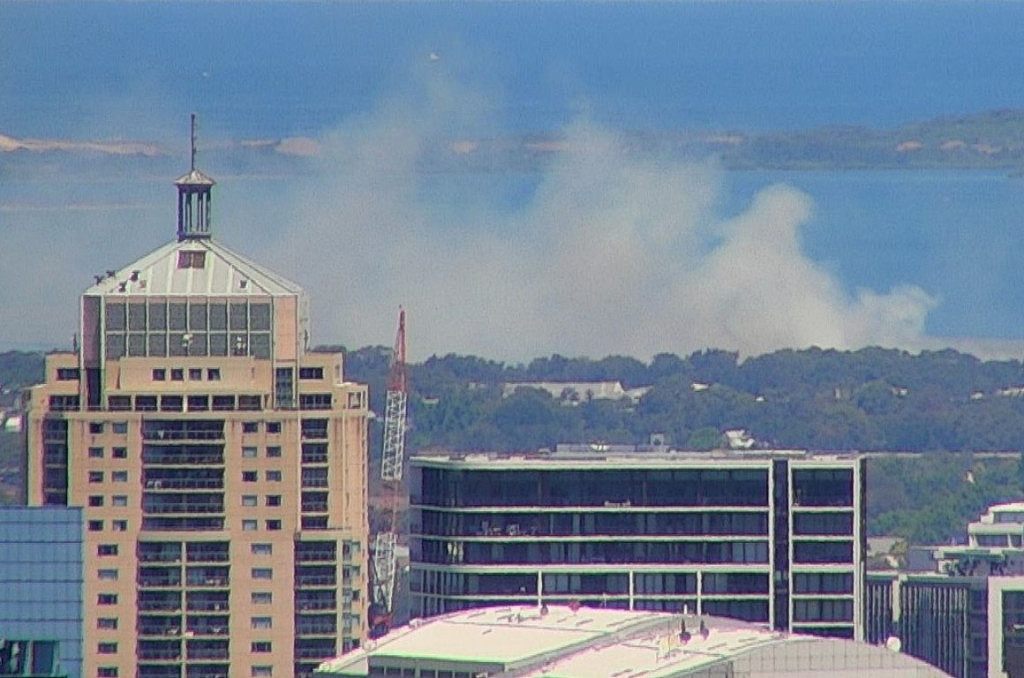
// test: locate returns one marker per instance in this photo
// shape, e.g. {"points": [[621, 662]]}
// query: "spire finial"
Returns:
{"points": [[193, 141]]}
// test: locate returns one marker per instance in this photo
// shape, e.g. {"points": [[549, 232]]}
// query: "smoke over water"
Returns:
{"points": [[608, 252]]}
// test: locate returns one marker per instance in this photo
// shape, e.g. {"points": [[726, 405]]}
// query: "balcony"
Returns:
{"points": [[159, 582], [161, 504], [321, 652], [209, 552], [206, 671], [158, 601], [315, 453], [316, 600], [207, 649], [315, 576], [197, 480], [159, 650], [316, 551], [318, 625], [208, 625], [208, 576], [158, 671], [159, 552], [159, 626], [145, 403], [159, 431], [183, 455], [207, 601], [186, 524]]}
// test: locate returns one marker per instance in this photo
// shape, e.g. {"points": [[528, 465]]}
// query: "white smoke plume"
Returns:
{"points": [[611, 253]]}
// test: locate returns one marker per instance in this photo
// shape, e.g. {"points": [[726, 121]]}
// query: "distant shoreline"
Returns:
{"points": [[989, 140]]}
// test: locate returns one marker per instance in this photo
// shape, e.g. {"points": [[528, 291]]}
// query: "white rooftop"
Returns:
{"points": [[600, 643], [198, 266]]}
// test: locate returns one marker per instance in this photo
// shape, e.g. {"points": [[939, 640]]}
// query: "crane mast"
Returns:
{"points": [[392, 466]]}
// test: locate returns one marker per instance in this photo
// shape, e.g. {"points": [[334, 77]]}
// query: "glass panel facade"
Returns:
{"points": [[41, 578], [187, 328]]}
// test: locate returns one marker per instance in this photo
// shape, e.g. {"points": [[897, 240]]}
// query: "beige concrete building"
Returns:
{"points": [[221, 467]]}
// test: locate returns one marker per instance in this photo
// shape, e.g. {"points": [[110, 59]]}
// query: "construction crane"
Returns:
{"points": [[391, 467]]}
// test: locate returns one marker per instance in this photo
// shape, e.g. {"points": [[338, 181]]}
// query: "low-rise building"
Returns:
{"points": [[775, 538], [580, 642]]}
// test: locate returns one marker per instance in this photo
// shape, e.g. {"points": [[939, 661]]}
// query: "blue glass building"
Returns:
{"points": [[41, 578]]}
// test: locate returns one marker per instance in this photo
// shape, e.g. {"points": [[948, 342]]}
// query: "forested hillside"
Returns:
{"points": [[871, 400], [942, 404]]}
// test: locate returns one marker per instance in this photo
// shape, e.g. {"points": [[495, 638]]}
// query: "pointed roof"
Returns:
{"points": [[193, 267], [194, 178]]}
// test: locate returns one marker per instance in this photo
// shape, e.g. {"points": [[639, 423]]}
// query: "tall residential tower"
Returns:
{"points": [[220, 467]]}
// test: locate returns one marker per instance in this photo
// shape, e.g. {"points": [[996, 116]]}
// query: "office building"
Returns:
{"points": [[571, 642], [30, 658], [220, 466], [940, 619], [41, 589], [772, 538], [967, 616]]}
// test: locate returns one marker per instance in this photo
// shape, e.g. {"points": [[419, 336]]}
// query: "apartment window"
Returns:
{"points": [[119, 453], [119, 500], [248, 500], [67, 373], [95, 452], [106, 623], [314, 522], [177, 374], [119, 427], [159, 374], [106, 672], [95, 476], [95, 427], [261, 646], [314, 401], [119, 525], [250, 426], [119, 476], [273, 427], [249, 476], [261, 549], [273, 452], [248, 452], [249, 525], [273, 524], [273, 500], [106, 550], [106, 648], [262, 573], [274, 476], [262, 671], [311, 373], [213, 374], [262, 597], [262, 623], [106, 599], [96, 500], [106, 575], [95, 525], [195, 373]]}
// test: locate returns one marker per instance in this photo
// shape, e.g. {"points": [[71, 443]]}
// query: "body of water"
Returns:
{"points": [[270, 69]]}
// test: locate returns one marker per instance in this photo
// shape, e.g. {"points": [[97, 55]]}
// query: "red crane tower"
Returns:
{"points": [[391, 467]]}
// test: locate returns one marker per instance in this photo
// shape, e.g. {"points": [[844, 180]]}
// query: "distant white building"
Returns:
{"points": [[573, 642], [995, 544], [579, 391]]}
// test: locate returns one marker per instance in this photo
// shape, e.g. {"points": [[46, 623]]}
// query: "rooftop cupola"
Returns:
{"points": [[194, 199]]}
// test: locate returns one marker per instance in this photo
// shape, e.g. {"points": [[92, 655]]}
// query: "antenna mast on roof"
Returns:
{"points": [[193, 167], [194, 197]]}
